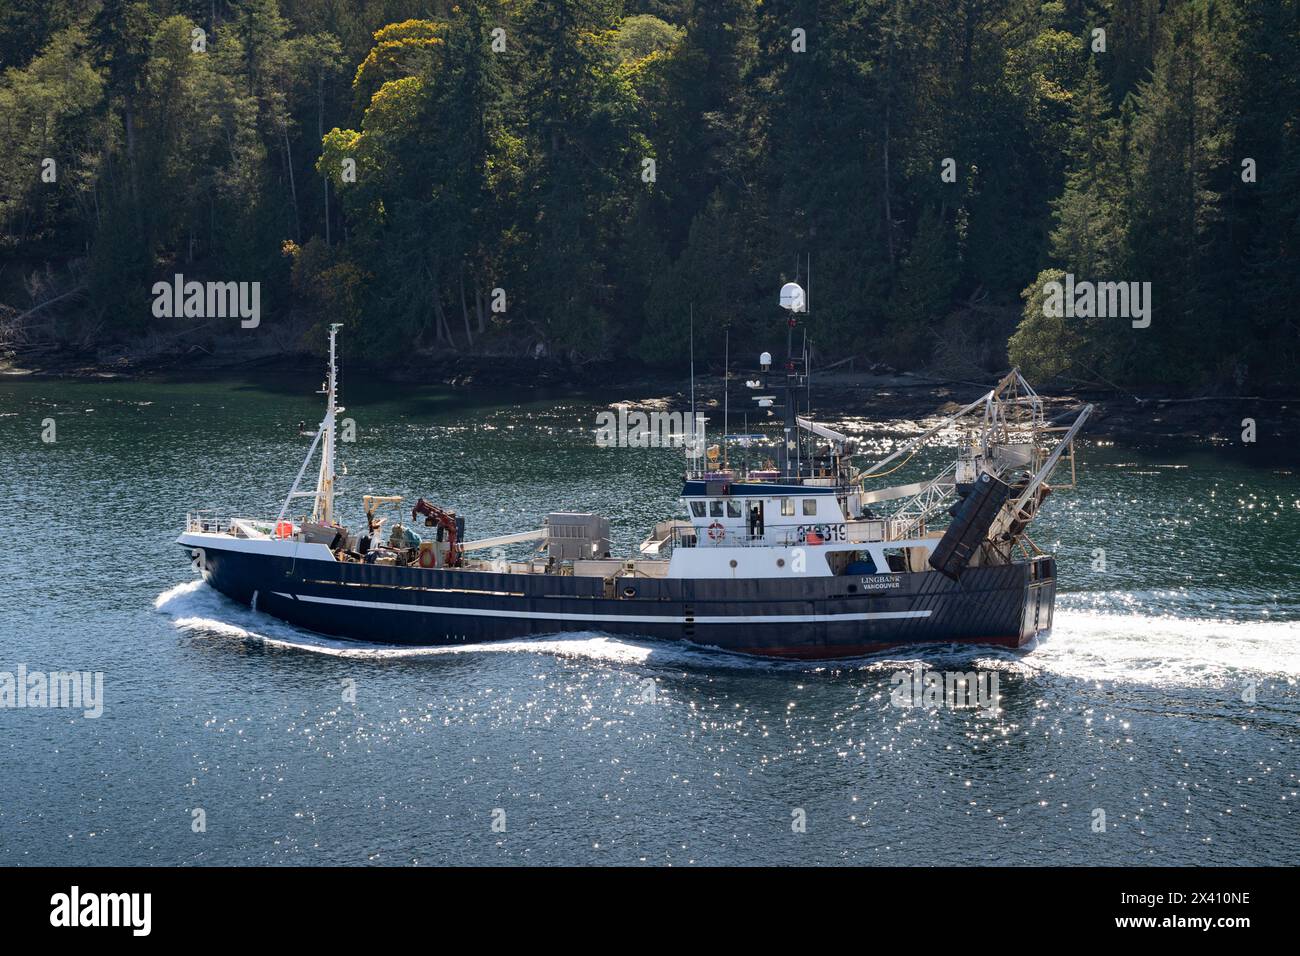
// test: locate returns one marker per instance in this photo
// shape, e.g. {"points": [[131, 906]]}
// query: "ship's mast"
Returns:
{"points": [[322, 510], [792, 299]]}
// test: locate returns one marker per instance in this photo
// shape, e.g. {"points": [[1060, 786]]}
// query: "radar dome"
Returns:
{"points": [[792, 297]]}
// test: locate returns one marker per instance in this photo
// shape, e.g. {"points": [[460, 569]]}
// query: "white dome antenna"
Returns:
{"points": [[792, 297]]}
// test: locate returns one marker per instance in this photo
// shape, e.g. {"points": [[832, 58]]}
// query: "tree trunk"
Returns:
{"points": [[293, 186], [889, 215], [128, 120], [320, 136], [889, 95], [439, 316], [464, 308]]}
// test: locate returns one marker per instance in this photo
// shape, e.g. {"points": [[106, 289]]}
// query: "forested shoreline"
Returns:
{"points": [[576, 179]]}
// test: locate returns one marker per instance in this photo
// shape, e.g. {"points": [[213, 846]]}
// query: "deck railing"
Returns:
{"points": [[208, 521], [870, 531]]}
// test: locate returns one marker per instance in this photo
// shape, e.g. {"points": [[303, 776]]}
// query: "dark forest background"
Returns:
{"points": [[525, 170]]}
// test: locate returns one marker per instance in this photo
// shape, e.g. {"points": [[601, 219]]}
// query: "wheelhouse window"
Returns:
{"points": [[787, 507], [697, 508], [733, 508], [715, 508], [810, 506]]}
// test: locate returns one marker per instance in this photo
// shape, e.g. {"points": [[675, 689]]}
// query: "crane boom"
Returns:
{"points": [[446, 520]]}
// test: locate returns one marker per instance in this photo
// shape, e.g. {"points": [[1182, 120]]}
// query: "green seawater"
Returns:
{"points": [[1166, 696]]}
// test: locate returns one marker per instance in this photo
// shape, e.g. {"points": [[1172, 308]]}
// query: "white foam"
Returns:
{"points": [[1149, 649]]}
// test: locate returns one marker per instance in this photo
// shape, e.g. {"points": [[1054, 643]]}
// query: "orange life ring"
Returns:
{"points": [[716, 531], [427, 558]]}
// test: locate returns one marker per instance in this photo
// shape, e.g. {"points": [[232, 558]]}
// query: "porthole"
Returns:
{"points": [[629, 592], [780, 562], [733, 562]]}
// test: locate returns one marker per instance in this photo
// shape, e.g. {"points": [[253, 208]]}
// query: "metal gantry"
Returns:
{"points": [[1004, 433]]}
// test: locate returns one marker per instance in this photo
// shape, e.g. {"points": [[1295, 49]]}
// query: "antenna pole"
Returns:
{"points": [[726, 396], [694, 438], [791, 427], [807, 373]]}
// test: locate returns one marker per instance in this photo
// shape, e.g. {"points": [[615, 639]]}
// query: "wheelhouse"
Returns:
{"points": [[726, 513]]}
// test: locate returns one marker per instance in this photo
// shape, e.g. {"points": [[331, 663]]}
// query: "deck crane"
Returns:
{"points": [[446, 522]]}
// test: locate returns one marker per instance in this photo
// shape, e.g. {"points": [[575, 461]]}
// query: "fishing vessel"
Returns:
{"points": [[810, 556]]}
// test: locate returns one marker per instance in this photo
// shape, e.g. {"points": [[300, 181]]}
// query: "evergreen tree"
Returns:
{"points": [[1180, 141], [923, 293], [613, 163], [1265, 195]]}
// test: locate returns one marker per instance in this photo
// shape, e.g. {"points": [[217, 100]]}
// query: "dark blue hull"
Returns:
{"points": [[808, 618]]}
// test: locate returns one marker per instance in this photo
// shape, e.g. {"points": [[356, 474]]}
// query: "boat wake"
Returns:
{"points": [[1165, 649], [1085, 645]]}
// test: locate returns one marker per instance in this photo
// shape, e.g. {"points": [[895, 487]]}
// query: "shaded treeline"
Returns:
{"points": [[571, 177]]}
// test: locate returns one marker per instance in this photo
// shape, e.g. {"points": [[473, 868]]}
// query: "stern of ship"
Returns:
{"points": [[1040, 599]]}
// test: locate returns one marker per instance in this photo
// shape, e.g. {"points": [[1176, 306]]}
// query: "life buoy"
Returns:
{"points": [[716, 531], [427, 558]]}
